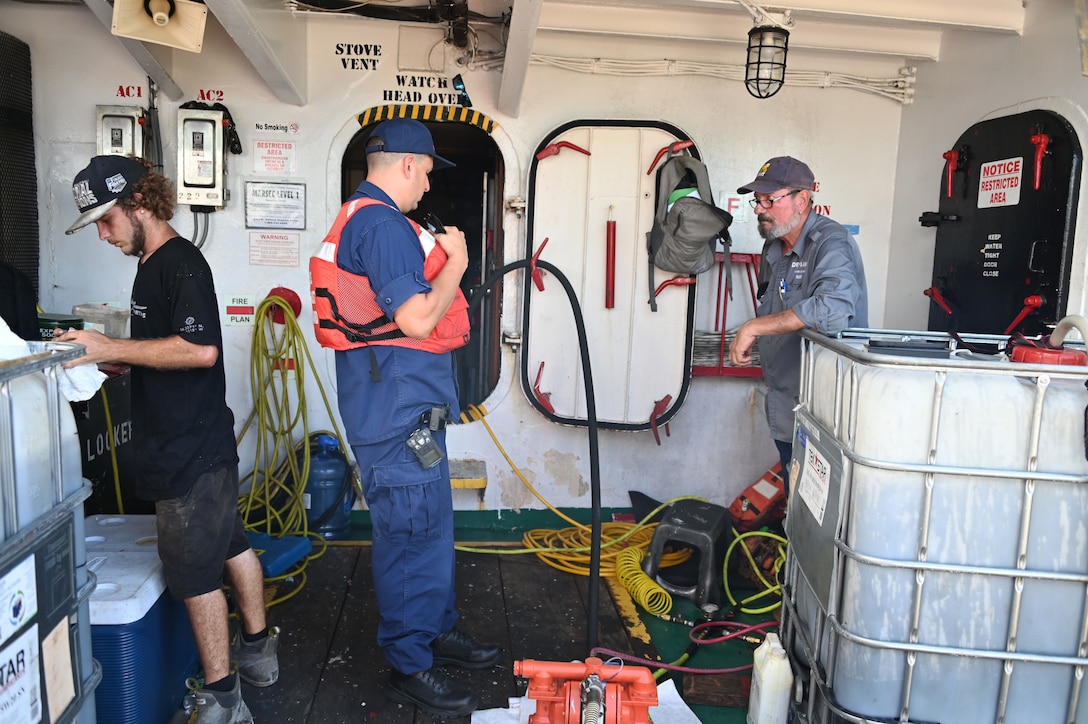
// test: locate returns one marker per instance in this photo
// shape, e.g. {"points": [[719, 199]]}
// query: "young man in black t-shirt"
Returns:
{"points": [[184, 431]]}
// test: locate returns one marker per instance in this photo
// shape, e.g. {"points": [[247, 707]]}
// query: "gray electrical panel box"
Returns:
{"points": [[120, 131], [200, 157]]}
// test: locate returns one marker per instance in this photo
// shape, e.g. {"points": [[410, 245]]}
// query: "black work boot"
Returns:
{"points": [[457, 648], [432, 691]]}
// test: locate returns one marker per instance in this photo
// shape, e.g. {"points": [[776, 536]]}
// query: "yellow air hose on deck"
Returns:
{"points": [[569, 549], [273, 504]]}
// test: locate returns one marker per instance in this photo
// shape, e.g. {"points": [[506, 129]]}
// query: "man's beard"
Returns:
{"points": [[777, 231], [139, 235]]}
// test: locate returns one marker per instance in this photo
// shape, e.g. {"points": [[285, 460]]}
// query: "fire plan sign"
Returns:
{"points": [[999, 183], [239, 311]]}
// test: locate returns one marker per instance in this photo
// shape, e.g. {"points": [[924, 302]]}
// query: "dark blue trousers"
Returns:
{"points": [[411, 510]]}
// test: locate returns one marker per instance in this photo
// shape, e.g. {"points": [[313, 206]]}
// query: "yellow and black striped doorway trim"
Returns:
{"points": [[427, 113]]}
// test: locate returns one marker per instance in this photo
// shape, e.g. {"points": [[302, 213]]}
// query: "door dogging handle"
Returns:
{"points": [[951, 163], [1041, 141]]}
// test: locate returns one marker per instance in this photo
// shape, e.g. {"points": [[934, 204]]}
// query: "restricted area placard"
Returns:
{"points": [[999, 183]]}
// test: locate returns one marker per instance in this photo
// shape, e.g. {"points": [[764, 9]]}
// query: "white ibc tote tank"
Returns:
{"points": [[938, 519]]}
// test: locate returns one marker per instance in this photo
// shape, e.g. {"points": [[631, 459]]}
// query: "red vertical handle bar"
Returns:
{"points": [[610, 262], [1040, 141], [952, 162]]}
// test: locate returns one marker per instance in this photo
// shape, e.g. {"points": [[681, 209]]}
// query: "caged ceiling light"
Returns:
{"points": [[768, 42]]}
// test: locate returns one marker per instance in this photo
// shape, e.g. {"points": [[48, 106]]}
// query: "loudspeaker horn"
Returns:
{"points": [[153, 22]]}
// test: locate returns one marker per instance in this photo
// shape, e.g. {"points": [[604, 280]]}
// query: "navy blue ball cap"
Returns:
{"points": [[781, 172], [98, 187], [405, 135]]}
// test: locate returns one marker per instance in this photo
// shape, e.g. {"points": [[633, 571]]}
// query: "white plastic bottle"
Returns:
{"points": [[772, 681]]}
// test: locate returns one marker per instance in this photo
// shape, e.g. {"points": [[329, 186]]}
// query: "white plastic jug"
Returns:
{"points": [[772, 681]]}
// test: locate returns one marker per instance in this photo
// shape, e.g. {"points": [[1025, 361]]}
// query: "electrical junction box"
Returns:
{"points": [[120, 131], [200, 157]]}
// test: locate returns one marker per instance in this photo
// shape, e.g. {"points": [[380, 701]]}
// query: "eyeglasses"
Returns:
{"points": [[769, 201]]}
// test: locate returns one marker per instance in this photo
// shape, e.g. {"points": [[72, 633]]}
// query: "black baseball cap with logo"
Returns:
{"points": [[99, 186]]}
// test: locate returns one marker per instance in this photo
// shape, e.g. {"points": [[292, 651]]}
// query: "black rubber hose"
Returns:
{"points": [[591, 423]]}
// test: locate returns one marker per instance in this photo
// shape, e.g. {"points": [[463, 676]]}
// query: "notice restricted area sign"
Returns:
{"points": [[999, 183]]}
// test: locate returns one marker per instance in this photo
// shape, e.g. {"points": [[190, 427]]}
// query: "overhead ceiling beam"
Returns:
{"points": [[723, 26], [519, 50], [139, 52], [992, 15], [271, 40]]}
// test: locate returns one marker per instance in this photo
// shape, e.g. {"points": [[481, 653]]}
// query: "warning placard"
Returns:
{"points": [[269, 248], [999, 183]]}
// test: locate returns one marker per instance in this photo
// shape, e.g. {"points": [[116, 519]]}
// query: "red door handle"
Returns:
{"points": [[1030, 304], [544, 398], [952, 163], [935, 294], [553, 148], [1040, 141], [659, 409], [674, 147], [536, 273]]}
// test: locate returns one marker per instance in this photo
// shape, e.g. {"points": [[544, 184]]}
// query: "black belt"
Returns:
{"points": [[435, 418]]}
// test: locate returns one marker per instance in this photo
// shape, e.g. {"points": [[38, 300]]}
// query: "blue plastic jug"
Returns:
{"points": [[328, 496]]}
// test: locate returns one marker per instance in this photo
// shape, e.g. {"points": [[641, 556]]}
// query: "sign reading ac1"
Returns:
{"points": [[130, 91]]}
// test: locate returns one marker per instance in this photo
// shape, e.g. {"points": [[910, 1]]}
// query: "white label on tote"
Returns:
{"points": [[20, 680], [18, 600], [814, 483]]}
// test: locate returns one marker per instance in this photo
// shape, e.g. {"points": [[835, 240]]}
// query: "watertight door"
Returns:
{"points": [[1004, 233], [583, 175]]}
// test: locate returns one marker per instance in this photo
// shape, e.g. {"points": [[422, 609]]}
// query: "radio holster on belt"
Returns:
{"points": [[422, 443]]}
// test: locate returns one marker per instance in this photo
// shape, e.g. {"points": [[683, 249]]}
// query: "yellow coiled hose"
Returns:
{"points": [[645, 591]]}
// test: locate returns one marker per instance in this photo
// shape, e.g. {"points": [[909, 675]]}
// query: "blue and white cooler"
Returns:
{"points": [[140, 636]]}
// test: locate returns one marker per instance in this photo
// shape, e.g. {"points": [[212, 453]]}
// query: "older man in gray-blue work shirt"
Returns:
{"points": [[811, 276]]}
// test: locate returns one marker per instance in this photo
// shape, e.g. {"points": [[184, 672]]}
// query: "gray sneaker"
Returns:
{"points": [[258, 663], [215, 707]]}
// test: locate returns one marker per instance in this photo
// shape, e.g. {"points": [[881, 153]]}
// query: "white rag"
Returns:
{"points": [[670, 708], [76, 384]]}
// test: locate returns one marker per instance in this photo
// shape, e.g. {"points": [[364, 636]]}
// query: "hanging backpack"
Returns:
{"points": [[686, 222]]}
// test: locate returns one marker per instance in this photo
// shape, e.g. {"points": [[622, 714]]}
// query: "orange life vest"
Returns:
{"points": [[340, 298]]}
